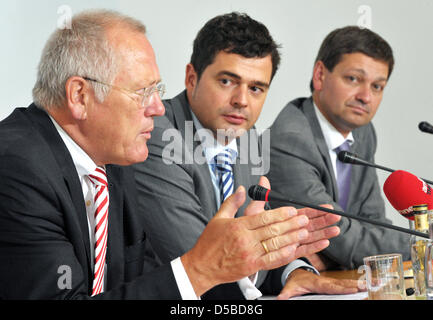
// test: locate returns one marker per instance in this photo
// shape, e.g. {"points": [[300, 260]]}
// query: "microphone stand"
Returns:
{"points": [[260, 193], [344, 214], [348, 157]]}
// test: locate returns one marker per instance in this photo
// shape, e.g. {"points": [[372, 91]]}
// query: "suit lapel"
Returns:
{"points": [[115, 223], [355, 177], [70, 176], [183, 121], [182, 113], [242, 172], [241, 176], [310, 114]]}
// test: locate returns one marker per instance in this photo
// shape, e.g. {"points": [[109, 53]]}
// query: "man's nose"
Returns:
{"points": [[155, 107], [240, 97], [364, 94]]}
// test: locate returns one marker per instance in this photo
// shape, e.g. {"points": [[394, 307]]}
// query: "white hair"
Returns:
{"points": [[82, 50]]}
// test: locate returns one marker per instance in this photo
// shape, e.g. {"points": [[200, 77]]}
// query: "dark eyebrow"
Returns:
{"points": [[364, 73], [382, 79], [234, 75]]}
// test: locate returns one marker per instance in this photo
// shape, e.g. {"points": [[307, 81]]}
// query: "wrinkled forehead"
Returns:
{"points": [[135, 56]]}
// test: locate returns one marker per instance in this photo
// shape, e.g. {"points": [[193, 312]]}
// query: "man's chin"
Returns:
{"points": [[231, 132], [134, 158]]}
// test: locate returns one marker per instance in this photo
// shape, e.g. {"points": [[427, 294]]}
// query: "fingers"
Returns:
{"points": [[310, 248], [302, 282], [281, 249], [287, 245], [256, 207], [269, 217], [290, 238], [277, 258], [323, 222], [286, 232], [321, 216], [337, 286], [277, 233], [326, 233]]}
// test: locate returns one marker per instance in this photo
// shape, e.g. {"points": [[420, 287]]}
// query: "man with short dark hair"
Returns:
{"points": [[351, 71], [204, 147]]}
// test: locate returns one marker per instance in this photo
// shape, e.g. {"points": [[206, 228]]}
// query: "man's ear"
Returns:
{"points": [[78, 95], [319, 74], [190, 78]]}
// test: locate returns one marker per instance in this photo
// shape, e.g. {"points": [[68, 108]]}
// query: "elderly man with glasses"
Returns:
{"points": [[69, 228]]}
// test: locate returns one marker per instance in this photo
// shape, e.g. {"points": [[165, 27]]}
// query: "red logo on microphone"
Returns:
{"points": [[425, 187]]}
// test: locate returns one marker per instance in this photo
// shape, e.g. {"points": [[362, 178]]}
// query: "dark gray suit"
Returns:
{"points": [[43, 222], [301, 169], [181, 195]]}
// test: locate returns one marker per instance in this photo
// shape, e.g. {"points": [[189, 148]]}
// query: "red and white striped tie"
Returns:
{"points": [[99, 180]]}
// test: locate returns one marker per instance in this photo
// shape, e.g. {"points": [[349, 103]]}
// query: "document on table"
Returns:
{"points": [[354, 296]]}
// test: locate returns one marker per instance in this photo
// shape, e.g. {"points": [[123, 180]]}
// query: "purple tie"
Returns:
{"points": [[343, 177]]}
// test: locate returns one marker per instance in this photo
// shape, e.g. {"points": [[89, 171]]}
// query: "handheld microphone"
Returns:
{"points": [[260, 193], [424, 126], [404, 190], [348, 157]]}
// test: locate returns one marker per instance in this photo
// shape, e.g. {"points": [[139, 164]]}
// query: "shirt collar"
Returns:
{"points": [[333, 138], [83, 163], [212, 147]]}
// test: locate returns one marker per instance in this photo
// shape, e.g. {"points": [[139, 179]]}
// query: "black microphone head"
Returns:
{"points": [[257, 192], [347, 157], [424, 126]]}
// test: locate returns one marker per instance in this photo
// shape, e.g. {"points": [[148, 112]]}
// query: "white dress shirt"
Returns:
{"points": [[247, 284], [85, 166], [211, 149], [333, 137]]}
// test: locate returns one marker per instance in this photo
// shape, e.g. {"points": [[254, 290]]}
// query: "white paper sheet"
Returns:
{"points": [[354, 296]]}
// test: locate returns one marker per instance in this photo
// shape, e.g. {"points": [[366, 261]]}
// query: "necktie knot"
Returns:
{"points": [[223, 162], [99, 177], [343, 147]]}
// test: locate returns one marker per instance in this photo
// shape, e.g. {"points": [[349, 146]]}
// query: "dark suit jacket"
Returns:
{"points": [[44, 235], [301, 169], [180, 196]]}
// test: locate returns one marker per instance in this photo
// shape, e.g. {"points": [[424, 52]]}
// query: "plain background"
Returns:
{"points": [[299, 26]]}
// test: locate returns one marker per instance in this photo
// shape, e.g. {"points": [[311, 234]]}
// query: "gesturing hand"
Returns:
{"points": [[231, 248]]}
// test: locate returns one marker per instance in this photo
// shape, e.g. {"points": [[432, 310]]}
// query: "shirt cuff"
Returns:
{"points": [[184, 285], [248, 288], [296, 265]]}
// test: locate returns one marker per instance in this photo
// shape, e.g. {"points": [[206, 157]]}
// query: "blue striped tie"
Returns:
{"points": [[223, 163]]}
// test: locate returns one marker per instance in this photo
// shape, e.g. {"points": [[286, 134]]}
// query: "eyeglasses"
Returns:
{"points": [[145, 95]]}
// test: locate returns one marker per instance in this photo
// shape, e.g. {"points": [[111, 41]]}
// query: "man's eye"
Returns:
{"points": [[140, 91], [256, 89], [225, 82], [378, 87]]}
